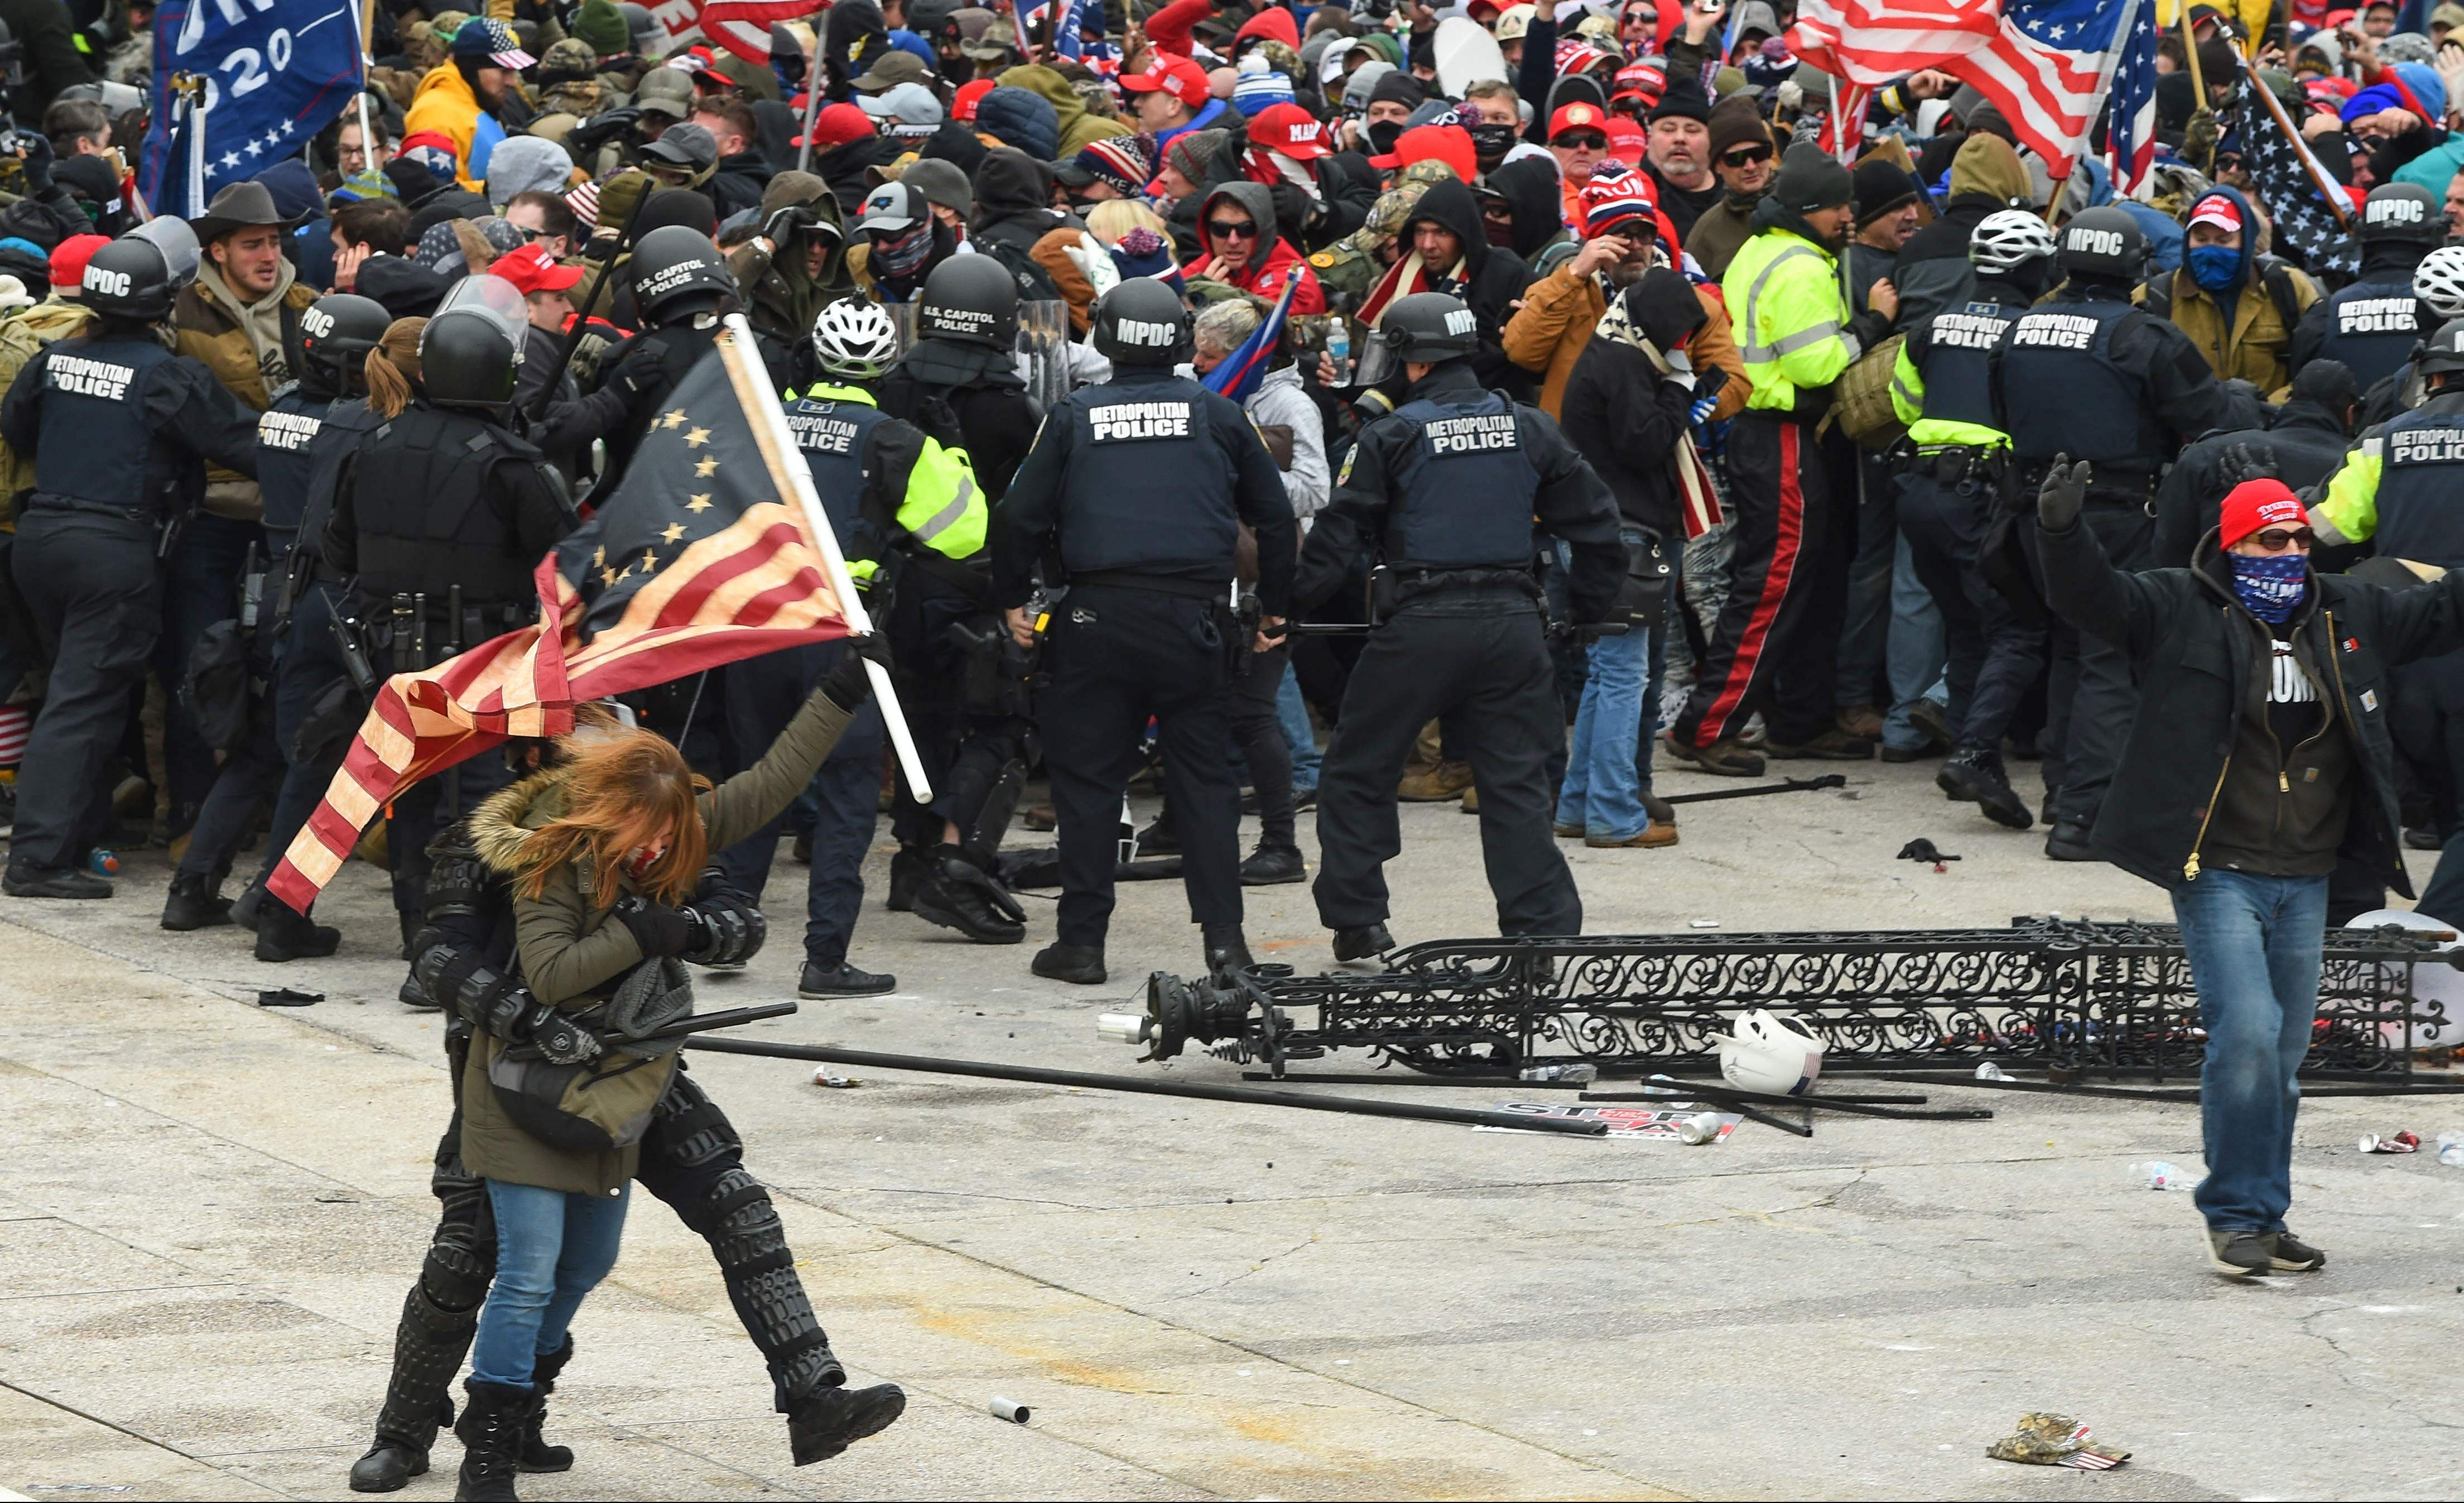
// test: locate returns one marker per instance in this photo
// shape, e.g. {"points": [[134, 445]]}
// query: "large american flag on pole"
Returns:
{"points": [[743, 26], [2047, 65], [694, 562]]}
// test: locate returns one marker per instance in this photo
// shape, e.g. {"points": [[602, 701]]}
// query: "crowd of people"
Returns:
{"points": [[1355, 404]]}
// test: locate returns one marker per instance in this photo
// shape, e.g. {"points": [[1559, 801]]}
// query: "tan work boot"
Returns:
{"points": [[1447, 780]]}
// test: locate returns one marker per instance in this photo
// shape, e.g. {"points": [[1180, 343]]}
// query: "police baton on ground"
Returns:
{"points": [[789, 472]]}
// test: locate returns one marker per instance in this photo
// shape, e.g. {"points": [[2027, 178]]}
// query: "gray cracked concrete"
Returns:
{"points": [[213, 1210]]}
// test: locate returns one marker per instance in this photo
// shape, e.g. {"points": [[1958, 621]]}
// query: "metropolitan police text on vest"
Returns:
{"points": [[90, 378], [1461, 436], [286, 431], [2424, 446], [2059, 330], [1139, 420]]}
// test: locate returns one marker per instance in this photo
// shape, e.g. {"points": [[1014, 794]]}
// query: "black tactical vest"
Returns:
{"points": [[1464, 487], [95, 443], [428, 511], [1952, 360], [284, 434], [2062, 392], [2372, 328], [1147, 489], [2420, 480], [833, 438], [337, 437]]}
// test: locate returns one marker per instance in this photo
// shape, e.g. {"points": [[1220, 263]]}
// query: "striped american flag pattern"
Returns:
{"points": [[743, 26], [740, 576], [1875, 42]]}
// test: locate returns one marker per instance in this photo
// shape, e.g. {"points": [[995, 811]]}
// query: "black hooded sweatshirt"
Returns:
{"points": [[1492, 279], [1529, 189]]}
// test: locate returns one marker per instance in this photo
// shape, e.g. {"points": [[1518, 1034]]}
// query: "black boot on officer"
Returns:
{"points": [[1141, 486]]}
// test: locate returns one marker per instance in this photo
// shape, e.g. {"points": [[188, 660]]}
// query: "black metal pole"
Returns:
{"points": [[590, 304], [732, 1018], [864, 1059], [1828, 780], [1727, 1095]]}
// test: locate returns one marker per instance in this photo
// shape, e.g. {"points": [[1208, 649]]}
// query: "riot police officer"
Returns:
{"points": [[957, 386], [1140, 487], [915, 524], [1442, 491], [2088, 375], [120, 428], [1947, 491], [336, 334], [682, 289], [441, 516], [316, 704], [2373, 323]]}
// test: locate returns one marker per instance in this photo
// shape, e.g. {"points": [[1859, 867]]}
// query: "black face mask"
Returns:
{"points": [[1381, 137], [1491, 142]]}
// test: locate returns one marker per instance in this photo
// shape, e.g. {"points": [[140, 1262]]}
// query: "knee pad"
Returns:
{"points": [[691, 1131], [744, 1227], [453, 1281]]}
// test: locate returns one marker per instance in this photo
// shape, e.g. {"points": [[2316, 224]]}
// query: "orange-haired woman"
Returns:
{"points": [[601, 851]]}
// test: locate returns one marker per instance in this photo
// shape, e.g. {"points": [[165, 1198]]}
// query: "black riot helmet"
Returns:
{"points": [[678, 273], [2104, 245], [2444, 353], [470, 353], [128, 278], [1142, 322], [971, 299], [336, 333], [2402, 213], [1428, 327]]}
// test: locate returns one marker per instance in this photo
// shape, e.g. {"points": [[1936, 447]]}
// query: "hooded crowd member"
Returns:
{"points": [[1932, 270], [1772, 649], [2239, 306], [1237, 244], [1075, 127], [1019, 118], [1519, 205], [1622, 241], [1014, 224], [1743, 158], [1445, 248], [795, 266], [1349, 268], [462, 98], [902, 243]]}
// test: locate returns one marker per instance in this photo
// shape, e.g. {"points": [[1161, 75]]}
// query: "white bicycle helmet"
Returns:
{"points": [[2008, 239], [855, 340], [1770, 1054], [2439, 281]]}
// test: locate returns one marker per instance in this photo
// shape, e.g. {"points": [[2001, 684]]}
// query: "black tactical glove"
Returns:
{"points": [[560, 1040], [2059, 500], [783, 226], [731, 928], [37, 164], [603, 127], [848, 685], [658, 929], [2245, 461]]}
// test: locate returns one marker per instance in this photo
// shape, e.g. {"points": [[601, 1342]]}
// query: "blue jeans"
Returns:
{"points": [[1603, 791], [1292, 712], [1917, 654], [552, 1247], [2254, 946]]}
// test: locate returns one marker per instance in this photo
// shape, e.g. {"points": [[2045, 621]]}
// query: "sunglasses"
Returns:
{"points": [[2275, 540], [1745, 156], [530, 236], [1226, 229], [1586, 141]]}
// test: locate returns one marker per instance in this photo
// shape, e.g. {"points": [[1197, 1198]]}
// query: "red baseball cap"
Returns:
{"points": [[2217, 210], [2256, 505], [1627, 140], [1289, 129], [1184, 81], [1577, 115], [531, 269], [837, 125], [1450, 144], [970, 95], [70, 255]]}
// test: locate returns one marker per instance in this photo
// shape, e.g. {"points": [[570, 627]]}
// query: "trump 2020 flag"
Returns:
{"points": [[276, 73]]}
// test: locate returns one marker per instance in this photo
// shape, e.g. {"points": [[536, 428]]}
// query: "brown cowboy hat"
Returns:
{"points": [[242, 205]]}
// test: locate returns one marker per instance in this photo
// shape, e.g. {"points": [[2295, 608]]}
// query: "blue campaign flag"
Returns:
{"points": [[276, 73], [1239, 376]]}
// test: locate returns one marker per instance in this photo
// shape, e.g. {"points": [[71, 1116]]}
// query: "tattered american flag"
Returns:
{"points": [[694, 562], [2285, 178], [743, 26]]}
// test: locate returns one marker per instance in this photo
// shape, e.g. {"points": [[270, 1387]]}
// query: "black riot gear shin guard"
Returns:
{"points": [[439, 1316]]}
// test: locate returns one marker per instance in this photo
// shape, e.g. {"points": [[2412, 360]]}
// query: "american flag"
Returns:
{"points": [[1068, 28], [2285, 178], [1843, 124], [2131, 131], [1239, 374], [1875, 42], [695, 561], [743, 26], [2049, 64]]}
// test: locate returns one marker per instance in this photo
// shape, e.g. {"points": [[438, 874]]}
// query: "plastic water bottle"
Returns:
{"points": [[2450, 1149], [2157, 1174], [1338, 351], [1572, 1075]]}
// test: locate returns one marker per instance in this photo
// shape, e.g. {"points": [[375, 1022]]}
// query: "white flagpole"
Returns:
{"points": [[367, 72], [753, 392], [197, 151]]}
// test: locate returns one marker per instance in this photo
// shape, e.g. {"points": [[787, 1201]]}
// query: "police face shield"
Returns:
{"points": [[1377, 363], [494, 298], [178, 244]]}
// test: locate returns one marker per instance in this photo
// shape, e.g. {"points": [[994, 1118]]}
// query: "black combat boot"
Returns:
{"points": [[1271, 865], [1227, 949], [394, 1459], [283, 935], [908, 870], [491, 1430], [1362, 943], [1974, 775], [827, 1421], [196, 902], [535, 1453], [429, 1343], [1082, 964], [958, 894]]}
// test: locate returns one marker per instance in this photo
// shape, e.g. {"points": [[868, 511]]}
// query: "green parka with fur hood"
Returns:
{"points": [[573, 951]]}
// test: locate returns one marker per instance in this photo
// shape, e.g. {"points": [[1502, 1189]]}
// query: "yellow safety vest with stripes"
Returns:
{"points": [[944, 508], [1783, 294]]}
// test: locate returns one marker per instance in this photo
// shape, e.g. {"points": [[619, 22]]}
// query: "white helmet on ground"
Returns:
{"points": [[2439, 281], [855, 340], [1770, 1055], [2008, 238]]}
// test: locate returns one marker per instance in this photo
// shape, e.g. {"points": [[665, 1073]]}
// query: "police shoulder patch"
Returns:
{"points": [[1343, 476]]}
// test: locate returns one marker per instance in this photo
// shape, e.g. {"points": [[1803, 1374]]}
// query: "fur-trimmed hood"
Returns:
{"points": [[502, 825]]}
